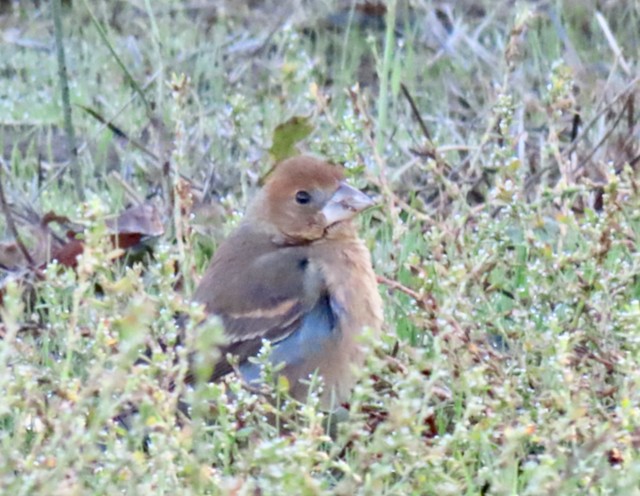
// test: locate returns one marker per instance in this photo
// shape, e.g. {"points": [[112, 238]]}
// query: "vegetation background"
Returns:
{"points": [[501, 138]]}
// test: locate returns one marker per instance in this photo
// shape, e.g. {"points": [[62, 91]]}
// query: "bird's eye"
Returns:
{"points": [[303, 197]]}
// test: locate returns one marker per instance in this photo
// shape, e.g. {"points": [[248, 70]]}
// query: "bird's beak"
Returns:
{"points": [[345, 203]]}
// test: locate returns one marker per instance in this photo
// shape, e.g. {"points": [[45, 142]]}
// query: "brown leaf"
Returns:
{"points": [[614, 456], [127, 230], [11, 256], [67, 255], [143, 220], [39, 243]]}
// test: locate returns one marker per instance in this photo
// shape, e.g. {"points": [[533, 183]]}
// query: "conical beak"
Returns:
{"points": [[345, 203]]}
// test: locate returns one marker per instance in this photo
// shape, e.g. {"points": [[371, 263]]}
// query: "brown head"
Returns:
{"points": [[305, 198]]}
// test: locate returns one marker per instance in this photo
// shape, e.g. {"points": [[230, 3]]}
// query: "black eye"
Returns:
{"points": [[302, 197]]}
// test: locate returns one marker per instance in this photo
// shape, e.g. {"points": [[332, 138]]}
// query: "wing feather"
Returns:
{"points": [[260, 291]]}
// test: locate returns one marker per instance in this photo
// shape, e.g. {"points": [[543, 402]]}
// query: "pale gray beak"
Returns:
{"points": [[345, 203]]}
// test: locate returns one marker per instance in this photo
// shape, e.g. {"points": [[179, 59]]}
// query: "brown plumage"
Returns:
{"points": [[295, 272]]}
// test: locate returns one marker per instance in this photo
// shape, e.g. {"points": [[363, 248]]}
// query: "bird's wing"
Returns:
{"points": [[261, 291], [313, 332]]}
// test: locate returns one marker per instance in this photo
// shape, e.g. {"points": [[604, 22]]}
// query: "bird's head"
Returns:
{"points": [[306, 199]]}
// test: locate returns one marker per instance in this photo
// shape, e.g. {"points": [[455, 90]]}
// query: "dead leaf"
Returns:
{"points": [[11, 256], [141, 219]]}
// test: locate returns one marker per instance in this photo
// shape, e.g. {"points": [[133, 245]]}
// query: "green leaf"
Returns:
{"points": [[286, 135]]}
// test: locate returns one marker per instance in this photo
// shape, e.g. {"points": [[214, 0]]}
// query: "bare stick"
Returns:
{"points": [[606, 135], [66, 104], [423, 301], [416, 113], [10, 223]]}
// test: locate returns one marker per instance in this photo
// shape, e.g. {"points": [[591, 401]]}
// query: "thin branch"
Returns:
{"points": [[431, 151], [416, 114], [615, 48], [128, 76], [634, 161], [11, 225], [66, 104], [119, 132], [606, 136], [423, 301], [624, 92]]}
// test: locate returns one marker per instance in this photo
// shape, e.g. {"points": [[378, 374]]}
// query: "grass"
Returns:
{"points": [[507, 239]]}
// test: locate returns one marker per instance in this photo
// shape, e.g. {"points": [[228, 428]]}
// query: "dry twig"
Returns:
{"points": [[10, 222]]}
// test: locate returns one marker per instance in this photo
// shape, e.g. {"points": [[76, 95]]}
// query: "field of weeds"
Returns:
{"points": [[501, 140]]}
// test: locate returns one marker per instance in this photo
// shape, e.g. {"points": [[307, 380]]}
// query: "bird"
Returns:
{"points": [[294, 272]]}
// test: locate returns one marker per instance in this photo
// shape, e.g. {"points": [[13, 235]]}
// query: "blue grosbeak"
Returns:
{"points": [[295, 273]]}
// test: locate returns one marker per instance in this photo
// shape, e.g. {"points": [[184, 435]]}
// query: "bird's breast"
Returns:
{"points": [[352, 285]]}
